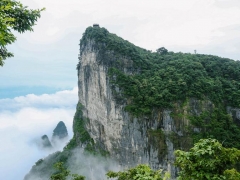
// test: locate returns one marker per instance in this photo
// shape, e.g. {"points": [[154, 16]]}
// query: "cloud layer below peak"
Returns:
{"points": [[60, 99], [25, 119]]}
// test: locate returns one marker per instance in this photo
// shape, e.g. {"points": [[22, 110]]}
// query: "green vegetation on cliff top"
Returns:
{"points": [[159, 80]]}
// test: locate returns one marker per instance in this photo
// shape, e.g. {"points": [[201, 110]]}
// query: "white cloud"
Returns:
{"points": [[33, 116], [61, 99], [94, 167], [170, 22], [36, 121], [178, 25]]}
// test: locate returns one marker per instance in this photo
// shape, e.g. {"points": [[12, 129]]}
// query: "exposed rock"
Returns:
{"points": [[60, 131], [45, 142], [128, 139]]}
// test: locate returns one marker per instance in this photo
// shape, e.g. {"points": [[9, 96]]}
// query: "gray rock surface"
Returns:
{"points": [[128, 139], [60, 131]]}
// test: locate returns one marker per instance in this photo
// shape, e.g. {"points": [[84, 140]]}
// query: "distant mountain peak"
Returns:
{"points": [[60, 131], [45, 142]]}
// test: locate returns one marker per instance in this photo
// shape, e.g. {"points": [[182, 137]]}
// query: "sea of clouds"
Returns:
{"points": [[26, 118]]}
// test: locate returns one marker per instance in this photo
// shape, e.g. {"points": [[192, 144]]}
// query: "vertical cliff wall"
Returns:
{"points": [[128, 138]]}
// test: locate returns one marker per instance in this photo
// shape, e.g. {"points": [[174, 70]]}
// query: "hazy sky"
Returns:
{"points": [[45, 60]]}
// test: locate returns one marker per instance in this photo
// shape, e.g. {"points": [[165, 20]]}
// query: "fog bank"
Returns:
{"points": [[26, 118]]}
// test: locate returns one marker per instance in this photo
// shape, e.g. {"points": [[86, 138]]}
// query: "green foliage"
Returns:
{"points": [[140, 172], [77, 177], [218, 125], [79, 125], [157, 139], [160, 79], [80, 133], [63, 173], [162, 51], [39, 162], [207, 160], [232, 174], [14, 16]]}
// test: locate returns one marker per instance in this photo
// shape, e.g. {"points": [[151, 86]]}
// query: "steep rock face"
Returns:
{"points": [[130, 140], [235, 113]]}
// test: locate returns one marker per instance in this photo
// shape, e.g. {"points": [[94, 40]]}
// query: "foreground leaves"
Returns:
{"points": [[141, 172], [63, 173], [208, 160], [14, 16]]}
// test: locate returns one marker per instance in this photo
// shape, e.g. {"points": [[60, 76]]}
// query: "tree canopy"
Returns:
{"points": [[162, 50], [63, 173], [14, 16], [139, 172], [208, 160]]}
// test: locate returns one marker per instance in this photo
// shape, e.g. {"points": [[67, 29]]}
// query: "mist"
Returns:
{"points": [[25, 119], [90, 166], [93, 167]]}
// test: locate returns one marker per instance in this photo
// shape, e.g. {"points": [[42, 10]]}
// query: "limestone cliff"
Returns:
{"points": [[131, 140]]}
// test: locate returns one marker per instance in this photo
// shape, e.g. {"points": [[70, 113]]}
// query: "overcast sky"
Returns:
{"points": [[45, 60]]}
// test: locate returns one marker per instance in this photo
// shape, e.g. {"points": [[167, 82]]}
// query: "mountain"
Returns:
{"points": [[138, 106], [60, 131], [60, 135], [45, 142]]}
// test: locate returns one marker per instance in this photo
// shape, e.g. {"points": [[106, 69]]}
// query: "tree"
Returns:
{"points": [[140, 172], [208, 160], [14, 16], [63, 173], [162, 51]]}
